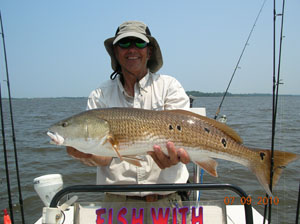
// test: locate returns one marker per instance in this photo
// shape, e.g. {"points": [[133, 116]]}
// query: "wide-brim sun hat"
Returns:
{"points": [[139, 30]]}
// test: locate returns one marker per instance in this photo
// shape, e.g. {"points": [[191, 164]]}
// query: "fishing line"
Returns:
{"points": [[238, 62], [276, 83], [12, 125]]}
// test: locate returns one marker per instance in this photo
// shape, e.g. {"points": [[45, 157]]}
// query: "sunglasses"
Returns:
{"points": [[127, 42]]}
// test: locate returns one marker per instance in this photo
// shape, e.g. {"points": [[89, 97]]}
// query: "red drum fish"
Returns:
{"points": [[129, 132]]}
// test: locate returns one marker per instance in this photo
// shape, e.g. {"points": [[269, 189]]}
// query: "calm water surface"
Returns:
{"points": [[249, 116]]}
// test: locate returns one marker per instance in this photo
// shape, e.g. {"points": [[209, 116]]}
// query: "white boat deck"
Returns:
{"points": [[236, 215]]}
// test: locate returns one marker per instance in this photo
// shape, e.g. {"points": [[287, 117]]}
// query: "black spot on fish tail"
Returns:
{"points": [[178, 127], [207, 130], [171, 127], [262, 155], [224, 142], [64, 124]]}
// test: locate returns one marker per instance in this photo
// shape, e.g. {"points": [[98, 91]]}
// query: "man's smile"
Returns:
{"points": [[132, 57]]}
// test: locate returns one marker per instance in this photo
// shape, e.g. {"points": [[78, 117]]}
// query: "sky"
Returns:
{"points": [[55, 48]]}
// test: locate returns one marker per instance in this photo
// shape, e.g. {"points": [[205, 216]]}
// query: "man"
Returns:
{"points": [[135, 59]]}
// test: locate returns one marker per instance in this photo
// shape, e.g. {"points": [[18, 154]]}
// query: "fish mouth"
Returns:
{"points": [[55, 138]]}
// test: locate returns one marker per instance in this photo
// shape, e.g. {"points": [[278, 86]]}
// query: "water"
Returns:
{"points": [[249, 116]]}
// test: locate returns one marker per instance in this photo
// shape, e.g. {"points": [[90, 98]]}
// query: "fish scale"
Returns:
{"points": [[129, 132], [190, 134]]}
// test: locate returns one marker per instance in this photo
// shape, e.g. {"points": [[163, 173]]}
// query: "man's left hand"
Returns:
{"points": [[175, 156]]}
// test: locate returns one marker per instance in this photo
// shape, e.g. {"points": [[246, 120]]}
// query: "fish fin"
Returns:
{"points": [[223, 127], [132, 160], [115, 145], [263, 167], [209, 165]]}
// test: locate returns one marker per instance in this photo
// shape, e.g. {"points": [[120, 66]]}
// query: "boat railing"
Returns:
{"points": [[153, 187]]}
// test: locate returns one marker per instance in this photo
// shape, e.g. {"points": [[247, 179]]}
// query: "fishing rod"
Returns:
{"points": [[12, 124], [276, 83], [235, 69], [238, 62], [298, 206], [6, 161]]}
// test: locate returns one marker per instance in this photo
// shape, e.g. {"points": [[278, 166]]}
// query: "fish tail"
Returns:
{"points": [[262, 168]]}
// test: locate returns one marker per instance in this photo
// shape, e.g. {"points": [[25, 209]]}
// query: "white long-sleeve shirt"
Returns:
{"points": [[154, 92]]}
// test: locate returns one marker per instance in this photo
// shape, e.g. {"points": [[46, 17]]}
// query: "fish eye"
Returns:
{"points": [[64, 124]]}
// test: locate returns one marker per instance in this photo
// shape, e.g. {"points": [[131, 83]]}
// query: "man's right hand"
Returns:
{"points": [[88, 159]]}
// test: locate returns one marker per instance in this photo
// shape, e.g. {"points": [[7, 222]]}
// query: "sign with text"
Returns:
{"points": [[150, 213]]}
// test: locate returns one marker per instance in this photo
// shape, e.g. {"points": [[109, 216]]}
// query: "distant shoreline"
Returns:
{"points": [[218, 94], [191, 94]]}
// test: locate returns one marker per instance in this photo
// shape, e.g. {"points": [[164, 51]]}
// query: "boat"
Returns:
{"points": [[64, 210], [51, 191], [203, 211]]}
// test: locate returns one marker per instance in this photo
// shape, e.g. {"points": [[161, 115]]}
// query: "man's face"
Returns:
{"points": [[132, 58]]}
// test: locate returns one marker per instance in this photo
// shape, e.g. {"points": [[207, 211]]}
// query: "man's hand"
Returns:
{"points": [[88, 159], [175, 156]]}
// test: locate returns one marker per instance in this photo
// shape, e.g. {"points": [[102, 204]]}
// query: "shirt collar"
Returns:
{"points": [[120, 85], [142, 84]]}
